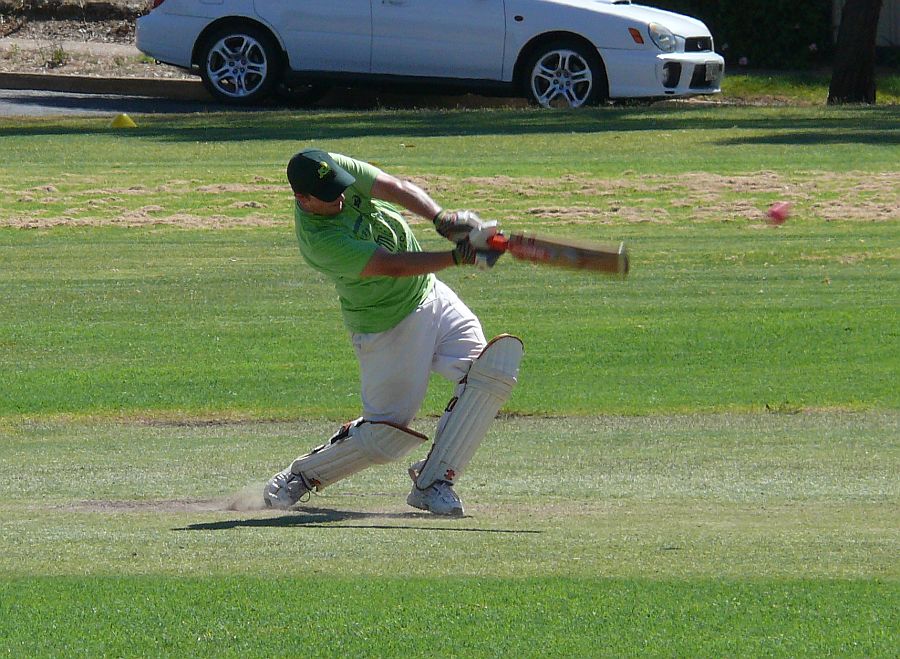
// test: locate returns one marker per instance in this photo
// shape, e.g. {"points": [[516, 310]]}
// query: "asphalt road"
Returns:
{"points": [[45, 103], [30, 103]]}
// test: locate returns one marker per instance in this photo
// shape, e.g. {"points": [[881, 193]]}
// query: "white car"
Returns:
{"points": [[555, 52]]}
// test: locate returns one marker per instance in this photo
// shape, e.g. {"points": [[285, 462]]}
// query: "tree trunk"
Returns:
{"points": [[853, 78]]}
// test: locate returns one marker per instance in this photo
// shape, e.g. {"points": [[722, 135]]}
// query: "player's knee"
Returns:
{"points": [[398, 417]]}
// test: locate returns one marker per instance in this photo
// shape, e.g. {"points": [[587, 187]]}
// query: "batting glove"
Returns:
{"points": [[467, 254], [456, 225], [480, 237]]}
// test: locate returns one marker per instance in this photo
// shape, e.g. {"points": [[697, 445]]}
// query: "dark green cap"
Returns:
{"points": [[314, 172]]}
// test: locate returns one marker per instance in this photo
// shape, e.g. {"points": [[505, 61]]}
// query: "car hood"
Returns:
{"points": [[683, 26]]}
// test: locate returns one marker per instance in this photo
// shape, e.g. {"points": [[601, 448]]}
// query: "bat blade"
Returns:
{"points": [[575, 254]]}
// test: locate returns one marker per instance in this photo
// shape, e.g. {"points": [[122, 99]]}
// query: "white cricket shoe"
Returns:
{"points": [[285, 489], [439, 499]]}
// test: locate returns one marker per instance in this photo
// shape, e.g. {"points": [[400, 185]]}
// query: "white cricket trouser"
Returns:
{"points": [[441, 335]]}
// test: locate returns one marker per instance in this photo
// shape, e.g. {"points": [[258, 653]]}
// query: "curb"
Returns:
{"points": [[173, 89]]}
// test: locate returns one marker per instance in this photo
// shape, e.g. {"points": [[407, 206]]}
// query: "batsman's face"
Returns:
{"points": [[316, 206]]}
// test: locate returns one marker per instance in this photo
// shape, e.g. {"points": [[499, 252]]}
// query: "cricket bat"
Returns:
{"points": [[577, 254]]}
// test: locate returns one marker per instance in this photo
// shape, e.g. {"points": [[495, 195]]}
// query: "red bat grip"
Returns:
{"points": [[498, 242]]}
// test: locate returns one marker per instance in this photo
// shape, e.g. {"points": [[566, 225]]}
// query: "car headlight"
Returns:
{"points": [[662, 37]]}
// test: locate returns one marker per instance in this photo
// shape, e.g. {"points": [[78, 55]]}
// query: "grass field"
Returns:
{"points": [[798, 87], [700, 460]]}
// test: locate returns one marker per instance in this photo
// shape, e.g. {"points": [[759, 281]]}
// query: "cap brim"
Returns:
{"points": [[336, 186]]}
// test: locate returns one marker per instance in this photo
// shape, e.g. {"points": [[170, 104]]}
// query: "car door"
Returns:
{"points": [[440, 38], [323, 35]]}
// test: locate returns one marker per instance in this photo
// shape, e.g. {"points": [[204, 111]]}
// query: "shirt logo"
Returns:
{"points": [[383, 230]]}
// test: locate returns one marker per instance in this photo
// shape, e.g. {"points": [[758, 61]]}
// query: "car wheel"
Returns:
{"points": [[240, 65], [565, 74]]}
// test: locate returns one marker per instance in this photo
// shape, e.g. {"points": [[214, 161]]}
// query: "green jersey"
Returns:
{"points": [[341, 246]]}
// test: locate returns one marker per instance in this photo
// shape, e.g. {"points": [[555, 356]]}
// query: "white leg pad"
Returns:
{"points": [[357, 445], [485, 389]]}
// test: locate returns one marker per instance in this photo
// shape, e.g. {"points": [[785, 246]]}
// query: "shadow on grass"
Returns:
{"points": [[866, 125], [886, 137], [329, 518]]}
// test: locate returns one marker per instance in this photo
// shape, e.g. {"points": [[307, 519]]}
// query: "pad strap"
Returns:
{"points": [[357, 445]]}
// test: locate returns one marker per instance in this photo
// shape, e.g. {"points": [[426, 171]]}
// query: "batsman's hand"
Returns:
{"points": [[466, 253], [480, 237], [456, 225]]}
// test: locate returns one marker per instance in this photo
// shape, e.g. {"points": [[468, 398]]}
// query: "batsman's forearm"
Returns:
{"points": [[418, 201], [406, 264]]}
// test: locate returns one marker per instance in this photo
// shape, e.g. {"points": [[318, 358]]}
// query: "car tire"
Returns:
{"points": [[565, 74], [240, 65]]}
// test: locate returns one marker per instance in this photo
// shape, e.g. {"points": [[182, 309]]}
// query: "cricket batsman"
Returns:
{"points": [[404, 323]]}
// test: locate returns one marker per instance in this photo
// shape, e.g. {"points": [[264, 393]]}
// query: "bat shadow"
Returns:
{"points": [[329, 518]]}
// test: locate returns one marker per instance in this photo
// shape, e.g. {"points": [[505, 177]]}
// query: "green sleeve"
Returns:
{"points": [[363, 172]]}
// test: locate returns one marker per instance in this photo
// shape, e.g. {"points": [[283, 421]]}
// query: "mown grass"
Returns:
{"points": [[702, 459], [256, 617], [793, 87], [731, 496], [169, 321], [705, 534], [720, 312]]}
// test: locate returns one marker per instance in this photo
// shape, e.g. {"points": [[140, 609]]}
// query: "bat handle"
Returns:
{"points": [[498, 242]]}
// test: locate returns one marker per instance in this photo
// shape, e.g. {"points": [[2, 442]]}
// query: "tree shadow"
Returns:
{"points": [[875, 124], [885, 137], [329, 518]]}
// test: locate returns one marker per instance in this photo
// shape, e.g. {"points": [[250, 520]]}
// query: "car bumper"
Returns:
{"points": [[154, 37], [656, 75]]}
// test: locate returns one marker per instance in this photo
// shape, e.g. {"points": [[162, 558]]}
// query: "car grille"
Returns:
{"points": [[698, 44]]}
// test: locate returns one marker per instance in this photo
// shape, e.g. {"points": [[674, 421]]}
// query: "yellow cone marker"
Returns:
{"points": [[123, 121]]}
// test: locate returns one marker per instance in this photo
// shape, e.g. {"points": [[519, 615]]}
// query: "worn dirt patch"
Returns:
{"points": [[568, 199], [245, 500], [155, 506], [248, 204], [220, 188], [145, 217]]}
